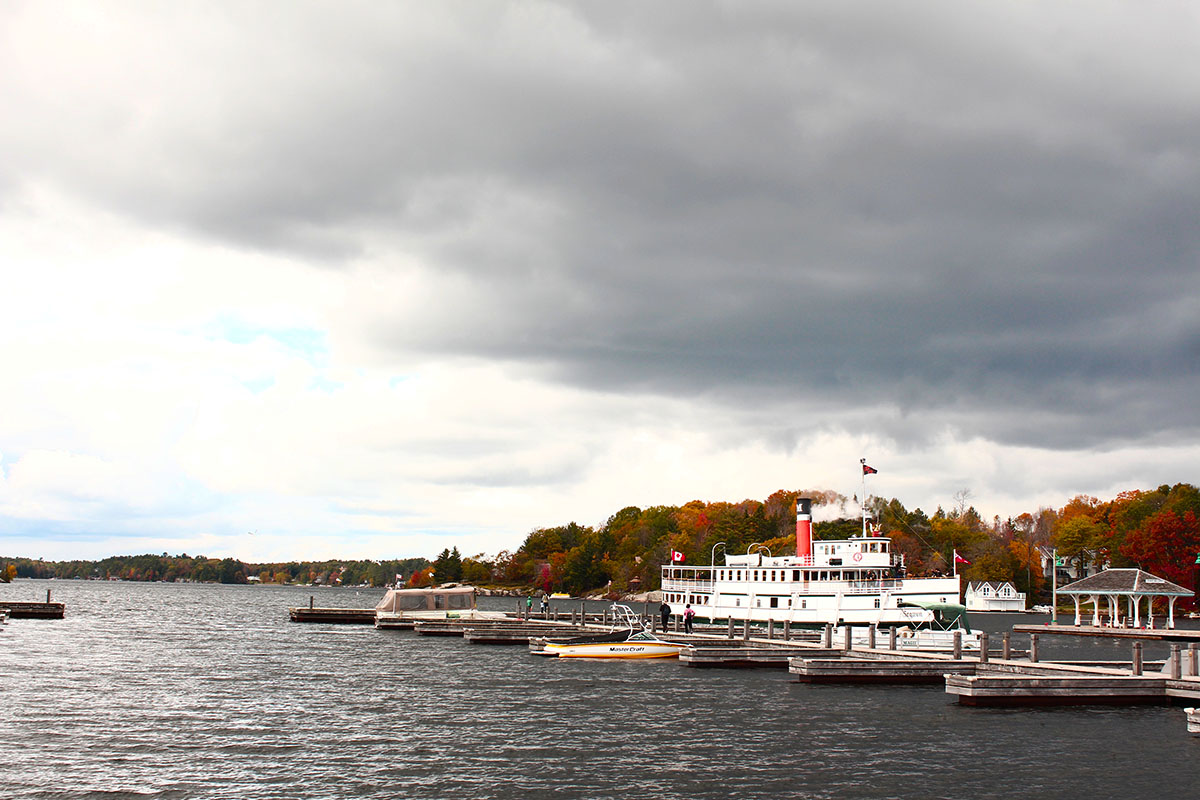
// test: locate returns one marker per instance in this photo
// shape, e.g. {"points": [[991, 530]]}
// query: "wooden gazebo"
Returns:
{"points": [[1131, 584]]}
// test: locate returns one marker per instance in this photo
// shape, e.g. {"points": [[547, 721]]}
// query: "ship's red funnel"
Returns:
{"points": [[803, 527]]}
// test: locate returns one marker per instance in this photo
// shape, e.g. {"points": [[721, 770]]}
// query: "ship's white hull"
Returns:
{"points": [[808, 605]]}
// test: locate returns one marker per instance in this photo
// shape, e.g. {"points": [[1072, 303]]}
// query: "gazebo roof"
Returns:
{"points": [[1133, 582]]}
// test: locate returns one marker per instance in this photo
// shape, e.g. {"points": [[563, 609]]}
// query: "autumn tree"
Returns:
{"points": [[1166, 544]]}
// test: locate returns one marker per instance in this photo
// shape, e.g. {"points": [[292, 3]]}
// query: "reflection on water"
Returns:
{"points": [[182, 691]]}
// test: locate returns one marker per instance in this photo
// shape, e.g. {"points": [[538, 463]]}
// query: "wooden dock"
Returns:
{"points": [[879, 670], [337, 616], [756, 654], [1160, 634], [34, 610], [995, 689]]}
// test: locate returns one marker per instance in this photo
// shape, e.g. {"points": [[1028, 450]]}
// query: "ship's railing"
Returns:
{"points": [[676, 584], [870, 587], [846, 587]]}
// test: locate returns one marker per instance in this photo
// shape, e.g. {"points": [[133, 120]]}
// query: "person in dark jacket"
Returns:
{"points": [[664, 611], [688, 615]]}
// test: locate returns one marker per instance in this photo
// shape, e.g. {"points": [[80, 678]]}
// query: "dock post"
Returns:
{"points": [[1176, 662], [47, 595], [827, 637], [957, 645], [871, 636], [787, 630], [1194, 647], [1033, 654], [730, 632], [746, 631], [892, 634], [846, 638], [310, 601], [770, 629], [1137, 658], [1007, 645], [983, 648]]}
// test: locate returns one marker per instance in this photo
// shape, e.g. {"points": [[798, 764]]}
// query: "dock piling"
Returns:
{"points": [[1176, 662], [770, 629], [1033, 648], [1007, 645], [846, 638], [1194, 648], [892, 638], [983, 648], [1137, 658], [311, 599], [871, 636], [729, 634], [957, 645], [827, 637]]}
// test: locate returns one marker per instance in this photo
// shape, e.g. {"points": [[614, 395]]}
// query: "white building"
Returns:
{"points": [[994, 596]]}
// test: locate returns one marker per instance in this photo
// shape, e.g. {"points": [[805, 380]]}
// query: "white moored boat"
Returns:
{"points": [[403, 607], [856, 581], [632, 641]]}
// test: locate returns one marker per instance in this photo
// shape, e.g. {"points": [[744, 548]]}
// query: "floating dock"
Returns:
{"points": [[34, 610], [338, 616], [1159, 634], [756, 654]]}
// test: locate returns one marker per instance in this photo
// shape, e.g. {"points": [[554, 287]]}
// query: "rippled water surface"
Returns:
{"points": [[198, 691]]}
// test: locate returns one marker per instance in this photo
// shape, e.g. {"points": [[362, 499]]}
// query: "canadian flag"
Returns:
{"points": [[676, 556]]}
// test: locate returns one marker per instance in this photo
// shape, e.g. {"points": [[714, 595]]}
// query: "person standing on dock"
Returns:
{"points": [[664, 611], [545, 604], [688, 614]]}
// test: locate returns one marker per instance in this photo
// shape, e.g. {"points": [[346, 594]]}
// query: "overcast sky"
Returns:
{"points": [[312, 280]]}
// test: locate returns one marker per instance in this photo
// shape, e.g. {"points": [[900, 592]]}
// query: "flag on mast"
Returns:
{"points": [[676, 556], [959, 559], [868, 470]]}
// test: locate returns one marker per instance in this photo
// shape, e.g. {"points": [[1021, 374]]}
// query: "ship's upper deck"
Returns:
{"points": [[872, 552]]}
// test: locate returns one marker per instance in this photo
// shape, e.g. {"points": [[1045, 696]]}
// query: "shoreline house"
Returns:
{"points": [[994, 596], [1068, 565]]}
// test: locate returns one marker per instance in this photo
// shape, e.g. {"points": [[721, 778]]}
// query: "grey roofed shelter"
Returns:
{"points": [[1132, 584]]}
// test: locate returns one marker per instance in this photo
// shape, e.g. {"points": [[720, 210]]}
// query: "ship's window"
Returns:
{"points": [[737, 601], [877, 602], [883, 547], [795, 574], [774, 602], [804, 602], [758, 602], [772, 574]]}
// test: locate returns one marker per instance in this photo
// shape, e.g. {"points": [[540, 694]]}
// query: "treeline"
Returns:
{"points": [[199, 569], [1156, 529]]}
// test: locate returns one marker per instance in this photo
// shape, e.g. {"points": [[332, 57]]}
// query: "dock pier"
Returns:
{"points": [[17, 609]]}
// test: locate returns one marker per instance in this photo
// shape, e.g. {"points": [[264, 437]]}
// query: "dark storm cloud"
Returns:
{"points": [[968, 212]]}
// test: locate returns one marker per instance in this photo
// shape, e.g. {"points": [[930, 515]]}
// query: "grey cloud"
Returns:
{"points": [[989, 221]]}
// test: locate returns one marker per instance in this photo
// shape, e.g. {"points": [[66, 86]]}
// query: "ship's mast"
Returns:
{"points": [[863, 495]]}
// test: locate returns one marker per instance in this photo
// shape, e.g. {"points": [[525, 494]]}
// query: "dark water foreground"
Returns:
{"points": [[199, 691]]}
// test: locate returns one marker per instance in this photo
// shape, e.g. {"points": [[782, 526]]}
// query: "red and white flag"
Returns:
{"points": [[959, 559], [869, 470], [676, 556]]}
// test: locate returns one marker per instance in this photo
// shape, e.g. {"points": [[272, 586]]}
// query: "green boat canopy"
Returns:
{"points": [[946, 616]]}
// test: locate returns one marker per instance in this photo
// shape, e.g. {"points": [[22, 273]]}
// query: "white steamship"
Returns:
{"points": [[856, 581]]}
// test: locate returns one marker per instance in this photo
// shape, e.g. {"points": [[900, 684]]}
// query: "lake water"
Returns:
{"points": [[207, 691]]}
